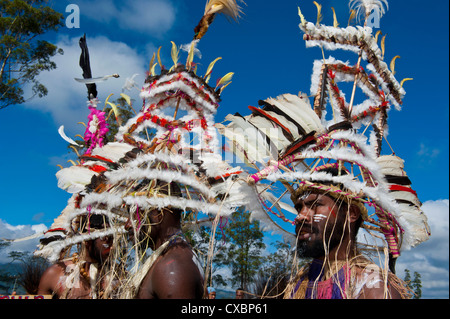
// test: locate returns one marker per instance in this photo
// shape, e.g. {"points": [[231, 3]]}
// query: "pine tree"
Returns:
{"points": [[414, 284], [244, 252]]}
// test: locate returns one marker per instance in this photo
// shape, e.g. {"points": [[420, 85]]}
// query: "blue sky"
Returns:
{"points": [[266, 52]]}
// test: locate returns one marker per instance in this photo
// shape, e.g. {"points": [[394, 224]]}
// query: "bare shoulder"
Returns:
{"points": [[50, 278], [373, 284], [177, 275]]}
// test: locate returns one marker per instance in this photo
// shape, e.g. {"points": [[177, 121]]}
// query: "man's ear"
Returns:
{"points": [[354, 213]]}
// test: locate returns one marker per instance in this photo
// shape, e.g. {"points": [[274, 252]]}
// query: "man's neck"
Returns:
{"points": [[167, 235]]}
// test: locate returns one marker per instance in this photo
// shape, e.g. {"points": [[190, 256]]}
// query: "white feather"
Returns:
{"points": [[65, 137], [299, 109], [113, 151], [74, 179]]}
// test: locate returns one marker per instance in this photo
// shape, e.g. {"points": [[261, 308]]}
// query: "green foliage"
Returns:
{"points": [[22, 55], [6, 279], [414, 284], [200, 241], [244, 252]]}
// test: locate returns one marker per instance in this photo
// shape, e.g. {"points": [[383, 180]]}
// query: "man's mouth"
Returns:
{"points": [[306, 232], [304, 236]]}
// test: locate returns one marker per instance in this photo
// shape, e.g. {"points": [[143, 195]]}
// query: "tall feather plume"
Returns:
{"points": [[377, 35], [383, 46], [352, 16], [175, 53], [114, 108], [319, 12], [404, 80], [151, 64], [335, 21], [158, 54], [302, 17], [190, 58], [393, 64], [213, 7], [207, 76], [223, 82]]}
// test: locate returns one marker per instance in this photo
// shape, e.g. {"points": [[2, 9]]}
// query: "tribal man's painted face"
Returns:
{"points": [[319, 226]]}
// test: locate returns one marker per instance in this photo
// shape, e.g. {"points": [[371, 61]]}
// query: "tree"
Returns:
{"points": [[22, 55], [30, 270], [414, 284], [6, 279], [244, 252], [277, 271], [200, 242]]}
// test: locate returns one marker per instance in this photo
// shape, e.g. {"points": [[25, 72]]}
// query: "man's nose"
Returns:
{"points": [[305, 215]]}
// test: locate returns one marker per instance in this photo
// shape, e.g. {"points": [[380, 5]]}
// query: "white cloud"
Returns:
{"points": [[153, 17], [426, 151], [8, 231], [66, 100], [431, 258]]}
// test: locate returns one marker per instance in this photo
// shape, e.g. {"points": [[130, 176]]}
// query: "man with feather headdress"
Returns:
{"points": [[326, 228], [338, 181], [78, 277]]}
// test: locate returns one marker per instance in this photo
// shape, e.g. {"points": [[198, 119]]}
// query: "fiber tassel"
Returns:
{"points": [[228, 7]]}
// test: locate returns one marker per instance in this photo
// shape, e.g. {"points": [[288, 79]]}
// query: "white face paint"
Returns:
{"points": [[318, 218]]}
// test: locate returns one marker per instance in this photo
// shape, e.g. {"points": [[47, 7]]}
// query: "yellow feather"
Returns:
{"points": [[223, 87], [82, 123], [319, 12], [75, 150], [126, 98], [209, 70], [302, 17], [225, 79], [159, 58], [78, 135], [73, 163], [352, 16], [377, 35], [152, 69], [335, 21], [393, 64], [190, 58], [175, 52], [383, 48], [404, 80], [114, 108], [107, 99], [60, 166], [151, 63]]}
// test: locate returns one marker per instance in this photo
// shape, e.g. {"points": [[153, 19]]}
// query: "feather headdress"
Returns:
{"points": [[296, 147]]}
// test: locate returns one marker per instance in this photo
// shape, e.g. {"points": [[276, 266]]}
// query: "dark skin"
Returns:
{"points": [[174, 275], [53, 281], [321, 220]]}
